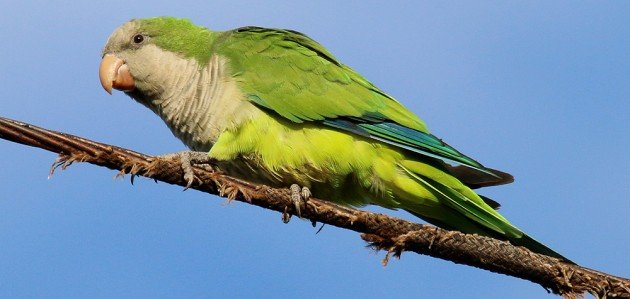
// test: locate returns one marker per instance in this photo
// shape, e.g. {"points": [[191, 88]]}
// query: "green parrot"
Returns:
{"points": [[273, 106]]}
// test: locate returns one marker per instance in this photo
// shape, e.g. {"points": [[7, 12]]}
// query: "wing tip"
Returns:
{"points": [[477, 179]]}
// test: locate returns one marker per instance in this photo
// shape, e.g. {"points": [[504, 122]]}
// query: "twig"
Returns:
{"points": [[382, 232]]}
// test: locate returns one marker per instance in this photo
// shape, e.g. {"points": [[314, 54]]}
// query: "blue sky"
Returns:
{"points": [[538, 89]]}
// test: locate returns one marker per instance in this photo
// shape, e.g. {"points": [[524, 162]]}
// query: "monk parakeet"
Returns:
{"points": [[274, 106]]}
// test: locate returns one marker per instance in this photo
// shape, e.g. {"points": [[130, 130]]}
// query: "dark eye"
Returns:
{"points": [[138, 38]]}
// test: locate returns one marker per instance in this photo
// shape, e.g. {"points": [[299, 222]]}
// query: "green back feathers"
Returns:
{"points": [[291, 74], [179, 36]]}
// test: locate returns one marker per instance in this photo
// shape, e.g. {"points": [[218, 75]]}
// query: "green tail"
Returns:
{"points": [[470, 216], [524, 241]]}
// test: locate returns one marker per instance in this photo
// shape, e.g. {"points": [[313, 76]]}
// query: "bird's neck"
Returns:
{"points": [[196, 103]]}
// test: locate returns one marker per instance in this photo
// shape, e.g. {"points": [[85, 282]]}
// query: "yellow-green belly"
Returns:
{"points": [[335, 165]]}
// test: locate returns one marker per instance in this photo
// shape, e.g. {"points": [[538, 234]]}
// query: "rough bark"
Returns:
{"points": [[382, 232]]}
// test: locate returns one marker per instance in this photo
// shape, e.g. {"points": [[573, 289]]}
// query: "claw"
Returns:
{"points": [[306, 193], [187, 160], [299, 196], [286, 217], [189, 175]]}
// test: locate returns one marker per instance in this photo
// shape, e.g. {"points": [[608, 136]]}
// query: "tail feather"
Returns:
{"points": [[471, 215], [535, 246], [469, 227], [491, 202]]}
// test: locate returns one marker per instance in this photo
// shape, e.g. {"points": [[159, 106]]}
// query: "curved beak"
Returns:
{"points": [[114, 73]]}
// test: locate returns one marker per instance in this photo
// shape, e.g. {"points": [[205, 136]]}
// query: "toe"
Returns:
{"points": [[306, 193], [296, 198], [189, 177]]}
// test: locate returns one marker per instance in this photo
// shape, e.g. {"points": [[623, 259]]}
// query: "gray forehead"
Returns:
{"points": [[120, 37]]}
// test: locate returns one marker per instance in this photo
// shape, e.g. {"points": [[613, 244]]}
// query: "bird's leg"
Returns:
{"points": [[187, 160], [299, 195]]}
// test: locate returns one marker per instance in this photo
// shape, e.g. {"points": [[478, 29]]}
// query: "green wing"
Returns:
{"points": [[292, 75], [299, 79]]}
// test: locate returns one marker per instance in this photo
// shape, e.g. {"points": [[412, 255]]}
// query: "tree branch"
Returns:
{"points": [[382, 232]]}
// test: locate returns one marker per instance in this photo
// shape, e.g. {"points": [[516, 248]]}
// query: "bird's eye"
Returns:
{"points": [[138, 38]]}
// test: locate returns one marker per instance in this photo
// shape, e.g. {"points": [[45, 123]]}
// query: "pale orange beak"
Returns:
{"points": [[114, 73]]}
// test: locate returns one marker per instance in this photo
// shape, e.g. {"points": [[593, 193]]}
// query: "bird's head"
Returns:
{"points": [[139, 55]]}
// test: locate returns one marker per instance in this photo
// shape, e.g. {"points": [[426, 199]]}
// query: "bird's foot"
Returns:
{"points": [[299, 196], [188, 159]]}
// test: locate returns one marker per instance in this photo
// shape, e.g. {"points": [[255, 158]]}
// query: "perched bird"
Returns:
{"points": [[274, 106]]}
